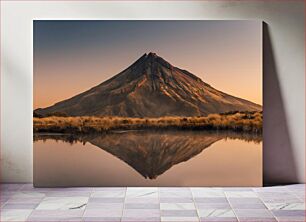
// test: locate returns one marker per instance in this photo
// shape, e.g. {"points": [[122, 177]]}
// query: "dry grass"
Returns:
{"points": [[235, 121]]}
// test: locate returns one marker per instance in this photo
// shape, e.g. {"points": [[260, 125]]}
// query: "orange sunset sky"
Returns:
{"points": [[73, 56]]}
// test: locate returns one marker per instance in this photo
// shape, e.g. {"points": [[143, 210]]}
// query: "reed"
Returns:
{"points": [[234, 121]]}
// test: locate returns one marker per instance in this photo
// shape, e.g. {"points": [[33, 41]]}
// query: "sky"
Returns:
{"points": [[71, 57]]}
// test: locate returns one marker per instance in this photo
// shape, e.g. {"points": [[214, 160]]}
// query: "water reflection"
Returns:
{"points": [[151, 153]]}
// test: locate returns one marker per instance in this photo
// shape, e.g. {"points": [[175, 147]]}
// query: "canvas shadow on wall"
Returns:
{"points": [[147, 103]]}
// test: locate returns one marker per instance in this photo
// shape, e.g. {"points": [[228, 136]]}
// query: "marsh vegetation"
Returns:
{"points": [[250, 122]]}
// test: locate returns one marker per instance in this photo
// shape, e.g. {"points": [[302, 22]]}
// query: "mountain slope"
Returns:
{"points": [[151, 87]]}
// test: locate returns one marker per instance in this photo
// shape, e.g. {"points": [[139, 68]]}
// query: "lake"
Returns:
{"points": [[148, 158]]}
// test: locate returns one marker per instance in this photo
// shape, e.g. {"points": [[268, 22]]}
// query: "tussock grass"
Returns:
{"points": [[235, 121]]}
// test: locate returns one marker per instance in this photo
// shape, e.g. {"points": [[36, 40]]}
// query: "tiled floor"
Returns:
{"points": [[22, 202]]}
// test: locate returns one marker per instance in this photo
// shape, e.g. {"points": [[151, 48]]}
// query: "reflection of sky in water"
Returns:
{"points": [[170, 159]]}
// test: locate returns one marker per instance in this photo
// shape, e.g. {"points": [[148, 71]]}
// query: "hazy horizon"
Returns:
{"points": [[71, 57]]}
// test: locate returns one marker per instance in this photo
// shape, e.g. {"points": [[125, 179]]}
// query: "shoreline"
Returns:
{"points": [[240, 122], [69, 137]]}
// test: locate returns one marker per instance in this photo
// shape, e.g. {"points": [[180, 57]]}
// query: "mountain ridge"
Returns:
{"points": [[151, 87]]}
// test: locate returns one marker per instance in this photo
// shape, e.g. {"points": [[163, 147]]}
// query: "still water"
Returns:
{"points": [[148, 158]]}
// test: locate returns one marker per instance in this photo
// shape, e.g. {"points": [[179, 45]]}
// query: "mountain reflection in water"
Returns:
{"points": [[151, 153]]}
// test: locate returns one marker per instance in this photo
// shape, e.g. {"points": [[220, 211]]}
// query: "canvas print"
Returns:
{"points": [[147, 103]]}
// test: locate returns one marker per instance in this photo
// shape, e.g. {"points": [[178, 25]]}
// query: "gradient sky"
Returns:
{"points": [[73, 56]]}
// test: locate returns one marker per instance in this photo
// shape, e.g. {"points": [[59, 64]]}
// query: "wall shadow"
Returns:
{"points": [[278, 160]]}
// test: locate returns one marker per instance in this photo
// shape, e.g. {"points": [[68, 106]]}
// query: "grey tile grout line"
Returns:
{"points": [[292, 192], [158, 197], [230, 205], [5, 202], [194, 203], [265, 205], [91, 192], [37, 204], [123, 206]]}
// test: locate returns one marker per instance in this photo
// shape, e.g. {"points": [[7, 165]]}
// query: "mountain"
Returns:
{"points": [[151, 87]]}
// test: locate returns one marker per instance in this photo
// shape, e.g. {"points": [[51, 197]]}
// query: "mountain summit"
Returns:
{"points": [[151, 87]]}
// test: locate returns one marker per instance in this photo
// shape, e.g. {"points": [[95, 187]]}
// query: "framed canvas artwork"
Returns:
{"points": [[147, 103]]}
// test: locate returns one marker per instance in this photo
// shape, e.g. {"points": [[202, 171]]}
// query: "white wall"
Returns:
{"points": [[284, 104]]}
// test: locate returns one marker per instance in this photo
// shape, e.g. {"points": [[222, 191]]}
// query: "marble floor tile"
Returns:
{"points": [[179, 219], [14, 214], [62, 203], [177, 206], [109, 189], [86, 189], [176, 200], [218, 219], [275, 196], [105, 200], [31, 200], [2, 205], [277, 199], [240, 194], [7, 193], [23, 202], [91, 205], [291, 219], [57, 213], [142, 192], [255, 219], [179, 213], [300, 195], [20, 206], [210, 200], [140, 219], [289, 213], [141, 206], [248, 206], [207, 192], [4, 199], [274, 193], [245, 200], [279, 189], [142, 200], [110, 194], [141, 213], [285, 206], [55, 219], [254, 213], [24, 194], [281, 200], [225, 205], [301, 187], [101, 219], [30, 187], [11, 186], [68, 194], [178, 189], [103, 213], [175, 193], [216, 213], [238, 189]]}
